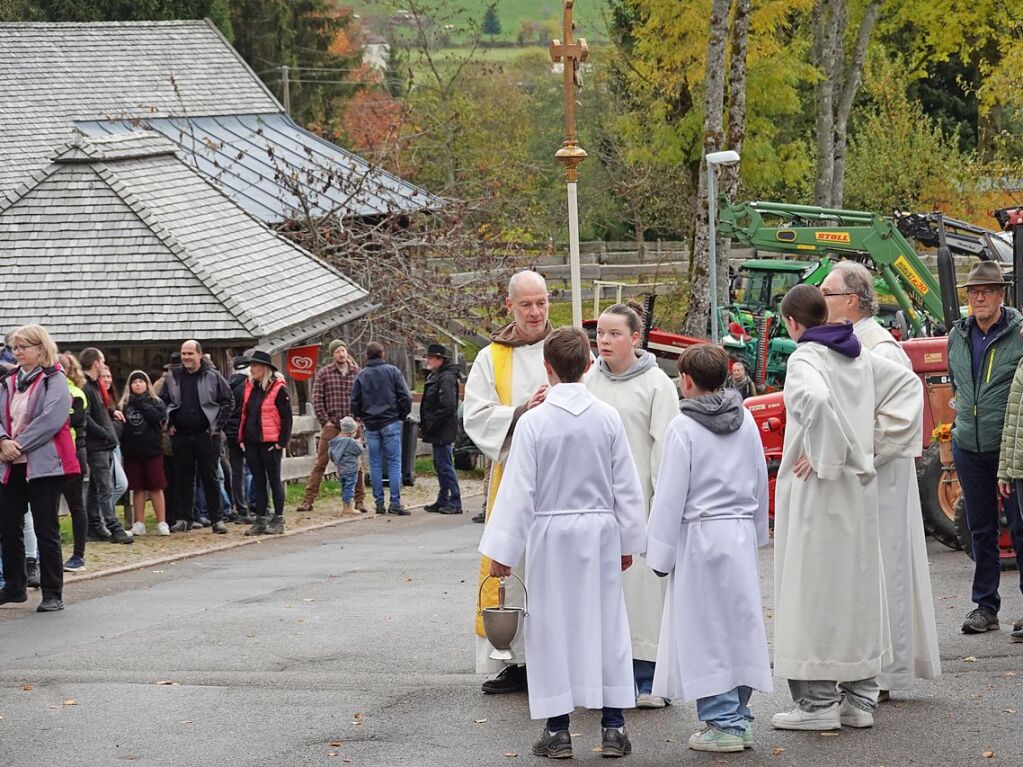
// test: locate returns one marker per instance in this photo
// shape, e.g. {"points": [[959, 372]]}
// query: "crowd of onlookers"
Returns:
{"points": [[201, 449]]}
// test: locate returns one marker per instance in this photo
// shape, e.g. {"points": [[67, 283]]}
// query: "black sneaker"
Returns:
{"points": [[381, 509], [219, 527], [50, 605], [553, 745], [32, 568], [449, 510], [480, 518], [275, 526], [120, 536], [980, 620], [433, 507], [258, 527], [98, 535], [181, 526], [615, 742], [398, 510], [511, 679], [7, 595], [245, 519]]}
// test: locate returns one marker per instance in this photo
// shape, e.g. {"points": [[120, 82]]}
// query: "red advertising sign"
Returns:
{"points": [[302, 362]]}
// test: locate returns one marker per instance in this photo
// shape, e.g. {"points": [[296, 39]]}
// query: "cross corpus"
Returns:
{"points": [[572, 53]]}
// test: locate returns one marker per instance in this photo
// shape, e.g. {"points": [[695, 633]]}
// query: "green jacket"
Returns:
{"points": [[1010, 459], [980, 407]]}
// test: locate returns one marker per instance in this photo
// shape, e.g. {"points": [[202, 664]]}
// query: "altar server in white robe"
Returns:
{"points": [[849, 292], [507, 378], [629, 379], [845, 410], [709, 517], [571, 501]]}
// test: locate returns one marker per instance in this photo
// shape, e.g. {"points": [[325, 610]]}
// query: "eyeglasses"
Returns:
{"points": [[24, 347], [985, 292], [829, 295]]}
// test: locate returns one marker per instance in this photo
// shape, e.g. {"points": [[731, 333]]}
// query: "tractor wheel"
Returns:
{"points": [[1006, 556], [939, 491]]}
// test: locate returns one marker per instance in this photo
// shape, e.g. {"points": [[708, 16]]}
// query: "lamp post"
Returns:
{"points": [[571, 154], [714, 159]]}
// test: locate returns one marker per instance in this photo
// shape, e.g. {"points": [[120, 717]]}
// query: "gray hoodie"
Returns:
{"points": [[720, 411], [645, 361]]}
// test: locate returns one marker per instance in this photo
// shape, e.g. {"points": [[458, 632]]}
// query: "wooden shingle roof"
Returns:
{"points": [[120, 240]]}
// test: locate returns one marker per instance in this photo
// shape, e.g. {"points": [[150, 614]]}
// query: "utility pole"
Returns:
{"points": [[571, 154], [285, 89]]}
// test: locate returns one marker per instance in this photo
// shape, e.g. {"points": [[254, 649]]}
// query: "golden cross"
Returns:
{"points": [[572, 54]]}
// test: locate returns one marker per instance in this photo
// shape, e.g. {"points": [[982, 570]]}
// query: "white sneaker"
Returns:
{"points": [[139, 528], [646, 700], [162, 528], [797, 719], [852, 716]]}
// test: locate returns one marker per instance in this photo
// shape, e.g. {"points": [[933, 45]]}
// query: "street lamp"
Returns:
{"points": [[714, 159]]}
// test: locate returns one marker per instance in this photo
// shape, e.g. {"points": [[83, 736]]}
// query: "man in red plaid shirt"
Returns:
{"points": [[332, 397]]}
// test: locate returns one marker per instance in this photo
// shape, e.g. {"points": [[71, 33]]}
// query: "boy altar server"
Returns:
{"points": [[708, 518], [571, 499]]}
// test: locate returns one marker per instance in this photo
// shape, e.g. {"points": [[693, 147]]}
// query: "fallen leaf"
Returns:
{"points": [[988, 754], [777, 750], [970, 659], [510, 754], [157, 571], [347, 760], [409, 580], [53, 706], [357, 724], [332, 753], [167, 682], [186, 721], [828, 734], [71, 702], [1007, 711], [307, 600], [336, 743], [357, 715], [27, 688], [480, 721], [1009, 673]]}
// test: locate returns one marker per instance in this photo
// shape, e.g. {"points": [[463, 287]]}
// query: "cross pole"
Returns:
{"points": [[572, 54]]}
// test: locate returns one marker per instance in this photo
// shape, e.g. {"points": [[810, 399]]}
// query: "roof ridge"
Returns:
{"points": [[164, 234], [66, 24]]}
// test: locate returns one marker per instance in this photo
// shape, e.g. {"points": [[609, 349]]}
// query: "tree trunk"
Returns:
{"points": [[852, 79], [713, 134], [826, 16]]}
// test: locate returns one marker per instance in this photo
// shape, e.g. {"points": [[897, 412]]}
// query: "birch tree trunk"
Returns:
{"points": [[825, 50], [697, 317]]}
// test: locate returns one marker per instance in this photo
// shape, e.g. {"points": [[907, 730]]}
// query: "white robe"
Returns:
{"points": [[647, 404], [571, 501], [489, 424], [831, 620], [903, 548], [709, 517]]}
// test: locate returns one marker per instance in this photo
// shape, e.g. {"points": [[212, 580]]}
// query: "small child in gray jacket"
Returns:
{"points": [[344, 452]]}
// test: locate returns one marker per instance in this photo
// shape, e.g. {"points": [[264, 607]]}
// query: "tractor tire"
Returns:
{"points": [[937, 499], [1006, 556]]}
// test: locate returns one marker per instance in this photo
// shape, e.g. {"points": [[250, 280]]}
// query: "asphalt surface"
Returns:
{"points": [[353, 645]]}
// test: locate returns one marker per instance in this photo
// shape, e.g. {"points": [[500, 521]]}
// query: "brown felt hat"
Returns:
{"points": [[984, 273]]}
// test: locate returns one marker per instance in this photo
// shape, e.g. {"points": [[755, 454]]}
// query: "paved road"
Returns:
{"points": [[359, 636]]}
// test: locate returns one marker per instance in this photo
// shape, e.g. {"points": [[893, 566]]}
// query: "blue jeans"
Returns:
{"points": [[643, 673], [385, 444], [610, 717], [444, 465], [348, 486], [728, 711], [978, 477]]}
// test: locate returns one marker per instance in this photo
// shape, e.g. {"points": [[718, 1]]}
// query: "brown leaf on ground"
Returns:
{"points": [[357, 715], [27, 688], [829, 734], [969, 659], [510, 754], [988, 754], [408, 580], [336, 743], [166, 682], [777, 751], [71, 702], [1010, 711], [480, 721], [332, 753]]}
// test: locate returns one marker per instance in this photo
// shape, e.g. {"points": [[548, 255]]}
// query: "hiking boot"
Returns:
{"points": [[197, 525], [980, 620], [614, 742], [381, 509], [32, 568], [7, 595], [275, 526], [511, 679], [219, 527], [181, 526], [398, 510], [361, 507], [258, 527], [50, 605], [305, 507], [99, 534], [646, 700], [449, 510], [854, 716], [822, 719], [433, 507], [74, 565], [121, 536], [553, 745], [712, 739]]}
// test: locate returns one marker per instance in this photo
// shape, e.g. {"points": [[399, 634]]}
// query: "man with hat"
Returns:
{"points": [[438, 416], [984, 350], [332, 401]]}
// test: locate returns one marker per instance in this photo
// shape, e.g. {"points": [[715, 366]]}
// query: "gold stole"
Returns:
{"points": [[501, 356]]}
